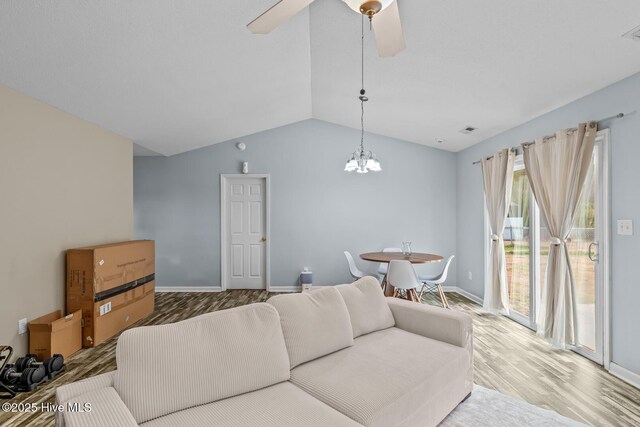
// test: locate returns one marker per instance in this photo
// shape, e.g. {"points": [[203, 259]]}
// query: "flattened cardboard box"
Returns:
{"points": [[55, 334], [113, 285]]}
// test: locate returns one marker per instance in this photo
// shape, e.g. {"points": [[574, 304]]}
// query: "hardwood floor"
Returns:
{"points": [[508, 357], [512, 359]]}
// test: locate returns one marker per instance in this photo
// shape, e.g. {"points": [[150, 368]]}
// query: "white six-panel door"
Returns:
{"points": [[244, 231]]}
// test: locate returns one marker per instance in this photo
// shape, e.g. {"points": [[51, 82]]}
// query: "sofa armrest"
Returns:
{"points": [[450, 326], [69, 391], [97, 408]]}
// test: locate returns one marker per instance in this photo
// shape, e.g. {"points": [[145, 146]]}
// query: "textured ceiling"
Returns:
{"points": [[174, 76]]}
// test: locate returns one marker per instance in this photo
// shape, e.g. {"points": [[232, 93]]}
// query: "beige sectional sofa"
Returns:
{"points": [[337, 356]]}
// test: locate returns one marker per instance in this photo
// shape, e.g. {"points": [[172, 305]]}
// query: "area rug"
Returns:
{"points": [[490, 408]]}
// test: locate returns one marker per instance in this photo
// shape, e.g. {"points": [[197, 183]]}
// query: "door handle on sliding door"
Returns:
{"points": [[593, 255]]}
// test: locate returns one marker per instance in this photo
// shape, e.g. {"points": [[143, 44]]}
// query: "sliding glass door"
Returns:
{"points": [[527, 239], [588, 239], [518, 245]]}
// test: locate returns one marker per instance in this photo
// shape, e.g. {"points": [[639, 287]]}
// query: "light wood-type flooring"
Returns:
{"points": [[508, 357]]}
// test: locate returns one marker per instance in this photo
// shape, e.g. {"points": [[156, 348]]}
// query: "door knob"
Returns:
{"points": [[264, 239], [593, 255]]}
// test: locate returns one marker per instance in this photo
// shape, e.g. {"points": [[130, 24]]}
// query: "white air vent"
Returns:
{"points": [[468, 129], [633, 34]]}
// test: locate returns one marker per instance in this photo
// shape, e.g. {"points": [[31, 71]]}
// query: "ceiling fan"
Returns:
{"points": [[383, 15]]}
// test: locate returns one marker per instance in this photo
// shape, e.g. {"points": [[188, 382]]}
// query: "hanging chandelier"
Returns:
{"points": [[362, 161]]}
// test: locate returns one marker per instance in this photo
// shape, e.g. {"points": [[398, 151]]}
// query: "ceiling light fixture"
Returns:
{"points": [[361, 161], [368, 7]]}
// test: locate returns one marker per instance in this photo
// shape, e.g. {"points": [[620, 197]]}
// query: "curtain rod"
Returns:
{"points": [[606, 119]]}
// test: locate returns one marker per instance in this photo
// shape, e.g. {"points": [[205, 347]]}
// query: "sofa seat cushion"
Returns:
{"points": [[167, 368], [313, 324], [367, 305], [283, 405], [388, 376]]}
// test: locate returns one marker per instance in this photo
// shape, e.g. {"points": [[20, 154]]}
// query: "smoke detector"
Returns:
{"points": [[468, 129], [633, 34]]}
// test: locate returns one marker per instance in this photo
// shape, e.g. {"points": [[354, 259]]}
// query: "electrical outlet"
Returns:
{"points": [[470, 276], [625, 227], [22, 326]]}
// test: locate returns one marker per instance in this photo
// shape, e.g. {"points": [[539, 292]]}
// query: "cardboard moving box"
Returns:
{"points": [[113, 285], [55, 334]]}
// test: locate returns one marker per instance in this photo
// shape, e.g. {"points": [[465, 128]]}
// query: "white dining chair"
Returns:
{"points": [[432, 283], [383, 267], [356, 273], [402, 277]]}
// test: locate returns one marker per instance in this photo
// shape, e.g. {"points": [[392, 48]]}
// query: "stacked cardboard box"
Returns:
{"points": [[113, 285]]}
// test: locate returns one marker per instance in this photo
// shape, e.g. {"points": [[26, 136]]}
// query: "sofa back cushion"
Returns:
{"points": [[367, 305], [314, 324], [168, 368]]}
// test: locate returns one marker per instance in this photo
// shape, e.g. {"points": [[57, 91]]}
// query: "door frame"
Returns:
{"points": [[224, 273], [605, 212]]}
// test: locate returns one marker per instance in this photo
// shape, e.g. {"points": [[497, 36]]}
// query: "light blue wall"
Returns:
{"points": [[623, 96], [317, 209]]}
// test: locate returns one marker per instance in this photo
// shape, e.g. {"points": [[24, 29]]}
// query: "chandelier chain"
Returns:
{"points": [[362, 91]]}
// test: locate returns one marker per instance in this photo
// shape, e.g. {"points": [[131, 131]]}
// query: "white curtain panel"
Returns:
{"points": [[557, 168], [497, 173]]}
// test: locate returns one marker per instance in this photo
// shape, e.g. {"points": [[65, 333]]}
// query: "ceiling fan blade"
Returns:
{"points": [[276, 15], [388, 31]]}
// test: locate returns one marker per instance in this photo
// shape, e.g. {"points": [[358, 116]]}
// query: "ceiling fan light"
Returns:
{"points": [[355, 4]]}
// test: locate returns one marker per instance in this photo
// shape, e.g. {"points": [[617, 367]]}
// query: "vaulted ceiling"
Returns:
{"points": [[174, 75]]}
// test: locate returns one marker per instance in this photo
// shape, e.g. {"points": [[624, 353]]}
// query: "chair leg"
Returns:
{"points": [[421, 291], [443, 297], [413, 295]]}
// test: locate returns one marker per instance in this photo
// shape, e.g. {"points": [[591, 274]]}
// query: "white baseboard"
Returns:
{"points": [[285, 288], [188, 289], [625, 374], [464, 293]]}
